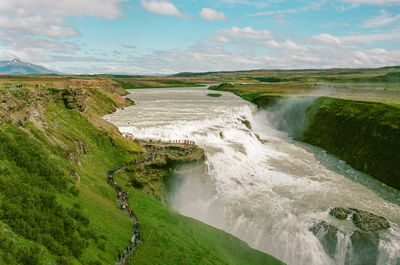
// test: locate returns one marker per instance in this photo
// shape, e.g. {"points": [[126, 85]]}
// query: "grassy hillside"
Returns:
{"points": [[55, 205], [170, 238]]}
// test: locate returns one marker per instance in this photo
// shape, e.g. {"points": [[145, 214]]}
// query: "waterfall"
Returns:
{"points": [[259, 185]]}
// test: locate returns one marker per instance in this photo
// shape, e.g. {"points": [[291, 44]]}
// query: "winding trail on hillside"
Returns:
{"points": [[177, 149], [123, 201]]}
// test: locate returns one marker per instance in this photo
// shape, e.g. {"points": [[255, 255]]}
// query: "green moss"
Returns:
{"points": [[214, 95]]}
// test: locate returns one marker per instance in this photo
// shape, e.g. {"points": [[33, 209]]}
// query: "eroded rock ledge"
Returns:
{"points": [[364, 240], [151, 172]]}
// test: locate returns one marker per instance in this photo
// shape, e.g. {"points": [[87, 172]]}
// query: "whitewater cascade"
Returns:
{"points": [[268, 193]]}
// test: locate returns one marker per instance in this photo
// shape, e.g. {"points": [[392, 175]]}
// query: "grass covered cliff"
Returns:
{"points": [[364, 134], [55, 205]]}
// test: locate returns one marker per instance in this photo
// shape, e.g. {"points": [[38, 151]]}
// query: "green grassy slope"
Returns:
{"points": [[170, 238], [56, 208]]}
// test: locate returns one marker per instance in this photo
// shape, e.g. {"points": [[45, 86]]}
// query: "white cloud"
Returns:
{"points": [[325, 38], [272, 44], [332, 52], [293, 46], [220, 39], [285, 54], [109, 9], [273, 12], [369, 38], [28, 55], [37, 25], [162, 7], [245, 33], [287, 45], [212, 15], [288, 55], [311, 6], [258, 4], [129, 46], [355, 40], [335, 24], [382, 20], [34, 30], [196, 58], [373, 2]]}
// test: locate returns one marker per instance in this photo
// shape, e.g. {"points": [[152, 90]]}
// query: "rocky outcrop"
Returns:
{"points": [[327, 235], [75, 98], [369, 222], [363, 220], [23, 106], [78, 148], [246, 123], [151, 172], [364, 248], [340, 213], [264, 101], [364, 241]]}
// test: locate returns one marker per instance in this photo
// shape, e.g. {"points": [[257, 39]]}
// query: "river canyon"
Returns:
{"points": [[259, 184]]}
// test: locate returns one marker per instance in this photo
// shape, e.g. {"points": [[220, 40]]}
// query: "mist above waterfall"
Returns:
{"points": [[289, 115]]}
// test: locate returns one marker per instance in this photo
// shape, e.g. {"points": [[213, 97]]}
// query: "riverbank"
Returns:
{"points": [[364, 134]]}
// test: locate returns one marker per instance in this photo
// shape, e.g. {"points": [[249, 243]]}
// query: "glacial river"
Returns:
{"points": [[267, 193]]}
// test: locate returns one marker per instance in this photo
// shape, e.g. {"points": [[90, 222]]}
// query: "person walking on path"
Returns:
{"points": [[122, 198]]}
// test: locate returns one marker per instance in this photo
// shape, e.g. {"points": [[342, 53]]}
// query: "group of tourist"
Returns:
{"points": [[123, 200], [185, 142], [130, 136]]}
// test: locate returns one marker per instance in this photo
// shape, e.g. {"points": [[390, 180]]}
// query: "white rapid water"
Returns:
{"points": [[268, 194]]}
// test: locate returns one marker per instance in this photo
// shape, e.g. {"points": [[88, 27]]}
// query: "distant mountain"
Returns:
{"points": [[17, 67]]}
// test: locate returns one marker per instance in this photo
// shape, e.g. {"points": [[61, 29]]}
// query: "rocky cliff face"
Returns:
{"points": [[75, 98], [364, 134], [21, 107], [31, 106], [151, 172]]}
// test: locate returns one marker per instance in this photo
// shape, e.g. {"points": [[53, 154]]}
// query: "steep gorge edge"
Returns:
{"points": [[364, 134], [55, 205]]}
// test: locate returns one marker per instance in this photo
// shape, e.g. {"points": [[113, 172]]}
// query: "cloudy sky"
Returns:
{"points": [[169, 36]]}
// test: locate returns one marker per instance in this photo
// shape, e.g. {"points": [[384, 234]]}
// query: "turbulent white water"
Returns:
{"points": [[268, 194]]}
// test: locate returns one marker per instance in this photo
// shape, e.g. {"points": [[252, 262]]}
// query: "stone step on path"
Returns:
{"points": [[123, 202]]}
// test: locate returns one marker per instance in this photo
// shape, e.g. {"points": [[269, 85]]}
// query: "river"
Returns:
{"points": [[267, 193]]}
